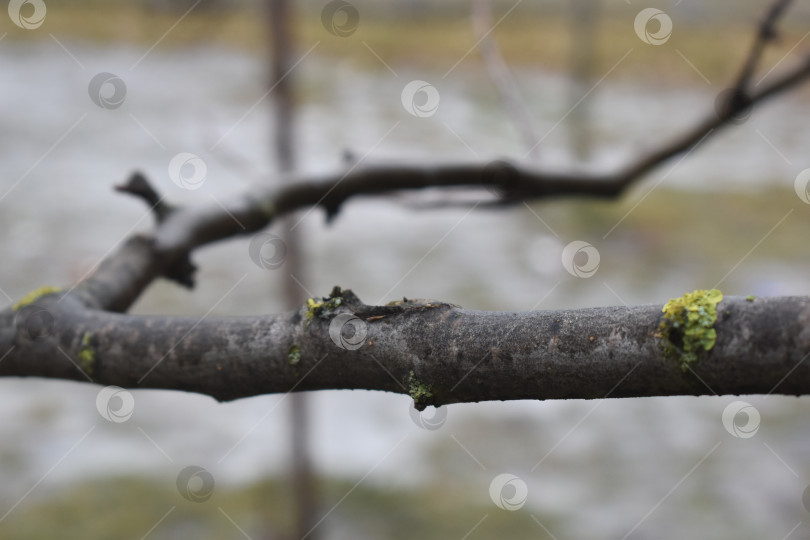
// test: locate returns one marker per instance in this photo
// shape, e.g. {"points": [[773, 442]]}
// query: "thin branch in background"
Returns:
{"points": [[122, 277], [766, 34], [737, 100]]}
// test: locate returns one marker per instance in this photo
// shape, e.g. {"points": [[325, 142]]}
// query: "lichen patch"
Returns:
{"points": [[687, 327]]}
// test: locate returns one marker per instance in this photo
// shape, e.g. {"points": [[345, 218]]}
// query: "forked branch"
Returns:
{"points": [[436, 352]]}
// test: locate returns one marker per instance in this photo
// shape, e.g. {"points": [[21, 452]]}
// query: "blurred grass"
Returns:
{"points": [[525, 39], [696, 238], [132, 507], [699, 225]]}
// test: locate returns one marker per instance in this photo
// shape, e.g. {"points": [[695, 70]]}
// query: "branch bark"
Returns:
{"points": [[436, 352]]}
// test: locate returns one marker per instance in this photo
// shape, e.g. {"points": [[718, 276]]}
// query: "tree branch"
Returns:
{"points": [[183, 229], [438, 353]]}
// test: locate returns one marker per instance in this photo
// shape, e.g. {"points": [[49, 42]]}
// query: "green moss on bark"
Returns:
{"points": [[294, 355], [87, 355], [688, 325], [419, 392]]}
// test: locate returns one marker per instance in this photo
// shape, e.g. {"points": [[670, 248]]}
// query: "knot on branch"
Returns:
{"points": [[400, 307], [343, 301], [332, 208]]}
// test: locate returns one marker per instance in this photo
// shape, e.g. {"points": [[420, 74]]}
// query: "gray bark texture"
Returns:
{"points": [[438, 353]]}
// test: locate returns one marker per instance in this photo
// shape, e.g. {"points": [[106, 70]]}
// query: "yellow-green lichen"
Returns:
{"points": [[418, 391], [87, 355], [688, 325], [294, 355], [324, 308], [750, 297], [35, 295]]}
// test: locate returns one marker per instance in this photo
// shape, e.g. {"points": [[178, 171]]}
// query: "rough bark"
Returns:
{"points": [[438, 353]]}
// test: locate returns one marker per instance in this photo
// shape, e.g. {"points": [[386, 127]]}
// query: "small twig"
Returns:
{"points": [[737, 100], [765, 35], [139, 186]]}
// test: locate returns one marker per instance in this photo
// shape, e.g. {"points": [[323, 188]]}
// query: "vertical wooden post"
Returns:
{"points": [[283, 99]]}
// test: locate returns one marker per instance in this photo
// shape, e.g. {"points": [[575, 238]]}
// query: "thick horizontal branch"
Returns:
{"points": [[437, 353]]}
